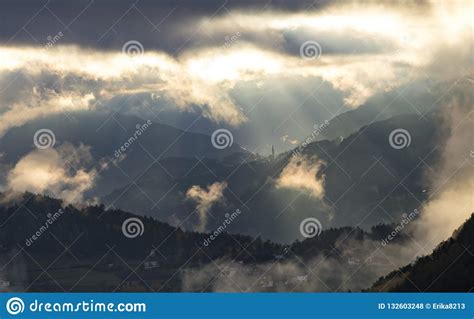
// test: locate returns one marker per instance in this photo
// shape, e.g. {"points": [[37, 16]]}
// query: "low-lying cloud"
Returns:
{"points": [[205, 199], [356, 265], [452, 182], [61, 173], [302, 174]]}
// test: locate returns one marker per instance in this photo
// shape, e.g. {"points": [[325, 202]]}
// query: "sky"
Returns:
{"points": [[267, 70]]}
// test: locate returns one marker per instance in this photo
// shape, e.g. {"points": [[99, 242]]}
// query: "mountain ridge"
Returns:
{"points": [[447, 269]]}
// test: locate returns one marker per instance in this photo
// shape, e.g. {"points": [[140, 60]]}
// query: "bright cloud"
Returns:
{"points": [[301, 174], [57, 172], [205, 199]]}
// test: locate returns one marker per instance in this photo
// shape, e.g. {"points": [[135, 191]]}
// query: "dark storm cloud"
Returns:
{"points": [[171, 26], [108, 24]]}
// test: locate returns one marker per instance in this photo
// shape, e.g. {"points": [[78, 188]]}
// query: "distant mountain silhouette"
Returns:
{"points": [[366, 182], [105, 133], [415, 98]]}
